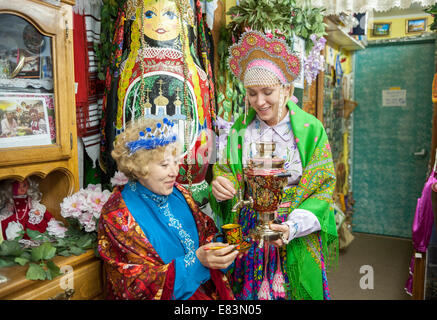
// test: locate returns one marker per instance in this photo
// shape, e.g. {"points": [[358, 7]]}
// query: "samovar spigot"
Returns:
{"points": [[241, 202]]}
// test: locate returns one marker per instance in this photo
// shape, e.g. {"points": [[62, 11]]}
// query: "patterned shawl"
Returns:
{"points": [[305, 255], [134, 269]]}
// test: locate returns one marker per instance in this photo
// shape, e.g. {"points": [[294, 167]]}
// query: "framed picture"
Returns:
{"points": [[415, 25], [381, 29], [27, 119], [31, 67]]}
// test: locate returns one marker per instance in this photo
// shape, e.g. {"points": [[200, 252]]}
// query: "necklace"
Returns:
{"points": [[26, 209]]}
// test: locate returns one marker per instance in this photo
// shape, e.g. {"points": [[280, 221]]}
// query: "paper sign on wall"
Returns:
{"points": [[394, 98]]}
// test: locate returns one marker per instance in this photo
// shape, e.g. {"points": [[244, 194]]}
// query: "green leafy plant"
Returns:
{"points": [[282, 18], [261, 15], [39, 258], [106, 48], [306, 21], [432, 10], [230, 96]]}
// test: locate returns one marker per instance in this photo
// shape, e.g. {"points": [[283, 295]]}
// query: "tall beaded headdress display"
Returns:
{"points": [[257, 60]]}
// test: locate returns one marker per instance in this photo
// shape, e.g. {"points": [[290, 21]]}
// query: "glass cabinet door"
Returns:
{"points": [[26, 85], [32, 88]]}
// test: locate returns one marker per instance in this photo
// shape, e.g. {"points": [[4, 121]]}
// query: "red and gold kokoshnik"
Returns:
{"points": [[256, 54]]}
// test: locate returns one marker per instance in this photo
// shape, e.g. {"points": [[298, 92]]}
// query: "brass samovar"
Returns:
{"points": [[266, 178]]}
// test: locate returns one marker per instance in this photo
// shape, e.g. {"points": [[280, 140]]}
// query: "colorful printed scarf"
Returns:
{"points": [[132, 266]]}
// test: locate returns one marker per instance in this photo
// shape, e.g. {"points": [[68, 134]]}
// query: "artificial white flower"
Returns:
{"points": [[85, 206], [71, 206], [119, 179], [13, 229], [90, 226], [94, 187], [97, 200], [56, 228]]}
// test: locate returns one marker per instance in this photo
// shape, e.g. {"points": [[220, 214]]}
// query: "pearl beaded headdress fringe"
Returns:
{"points": [[260, 77]]}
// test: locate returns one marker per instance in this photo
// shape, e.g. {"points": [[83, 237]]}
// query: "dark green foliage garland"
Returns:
{"points": [[282, 18], [432, 10], [106, 48], [39, 259]]}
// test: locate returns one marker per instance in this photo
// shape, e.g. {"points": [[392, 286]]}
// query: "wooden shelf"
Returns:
{"points": [[85, 278], [341, 38]]}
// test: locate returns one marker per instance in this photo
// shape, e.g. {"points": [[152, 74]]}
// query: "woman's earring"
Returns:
{"points": [[280, 103]]}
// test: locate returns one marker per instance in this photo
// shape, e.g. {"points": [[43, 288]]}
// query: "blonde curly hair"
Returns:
{"points": [[136, 165]]}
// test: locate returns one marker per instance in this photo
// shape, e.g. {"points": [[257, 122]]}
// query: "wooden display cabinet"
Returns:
{"points": [[37, 73], [83, 283]]}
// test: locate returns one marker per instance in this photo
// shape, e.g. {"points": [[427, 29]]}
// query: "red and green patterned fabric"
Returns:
{"points": [[132, 266]]}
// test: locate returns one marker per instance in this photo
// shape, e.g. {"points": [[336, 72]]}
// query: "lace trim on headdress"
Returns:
{"points": [[260, 77]]}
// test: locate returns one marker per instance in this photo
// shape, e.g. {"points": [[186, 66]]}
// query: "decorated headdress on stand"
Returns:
{"points": [[257, 60], [151, 139]]}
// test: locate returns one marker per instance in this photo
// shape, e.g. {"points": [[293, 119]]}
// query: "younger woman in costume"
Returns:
{"points": [[293, 267], [153, 238]]}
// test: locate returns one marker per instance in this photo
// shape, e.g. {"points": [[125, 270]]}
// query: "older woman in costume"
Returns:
{"points": [[293, 267], [154, 240]]}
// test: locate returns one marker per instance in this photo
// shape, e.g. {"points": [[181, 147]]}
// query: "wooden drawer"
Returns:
{"points": [[84, 278]]}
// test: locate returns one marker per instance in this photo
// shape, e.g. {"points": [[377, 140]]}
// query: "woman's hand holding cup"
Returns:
{"points": [[217, 255]]}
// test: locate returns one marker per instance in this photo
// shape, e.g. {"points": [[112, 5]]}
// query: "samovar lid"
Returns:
{"points": [[265, 167], [266, 163]]}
